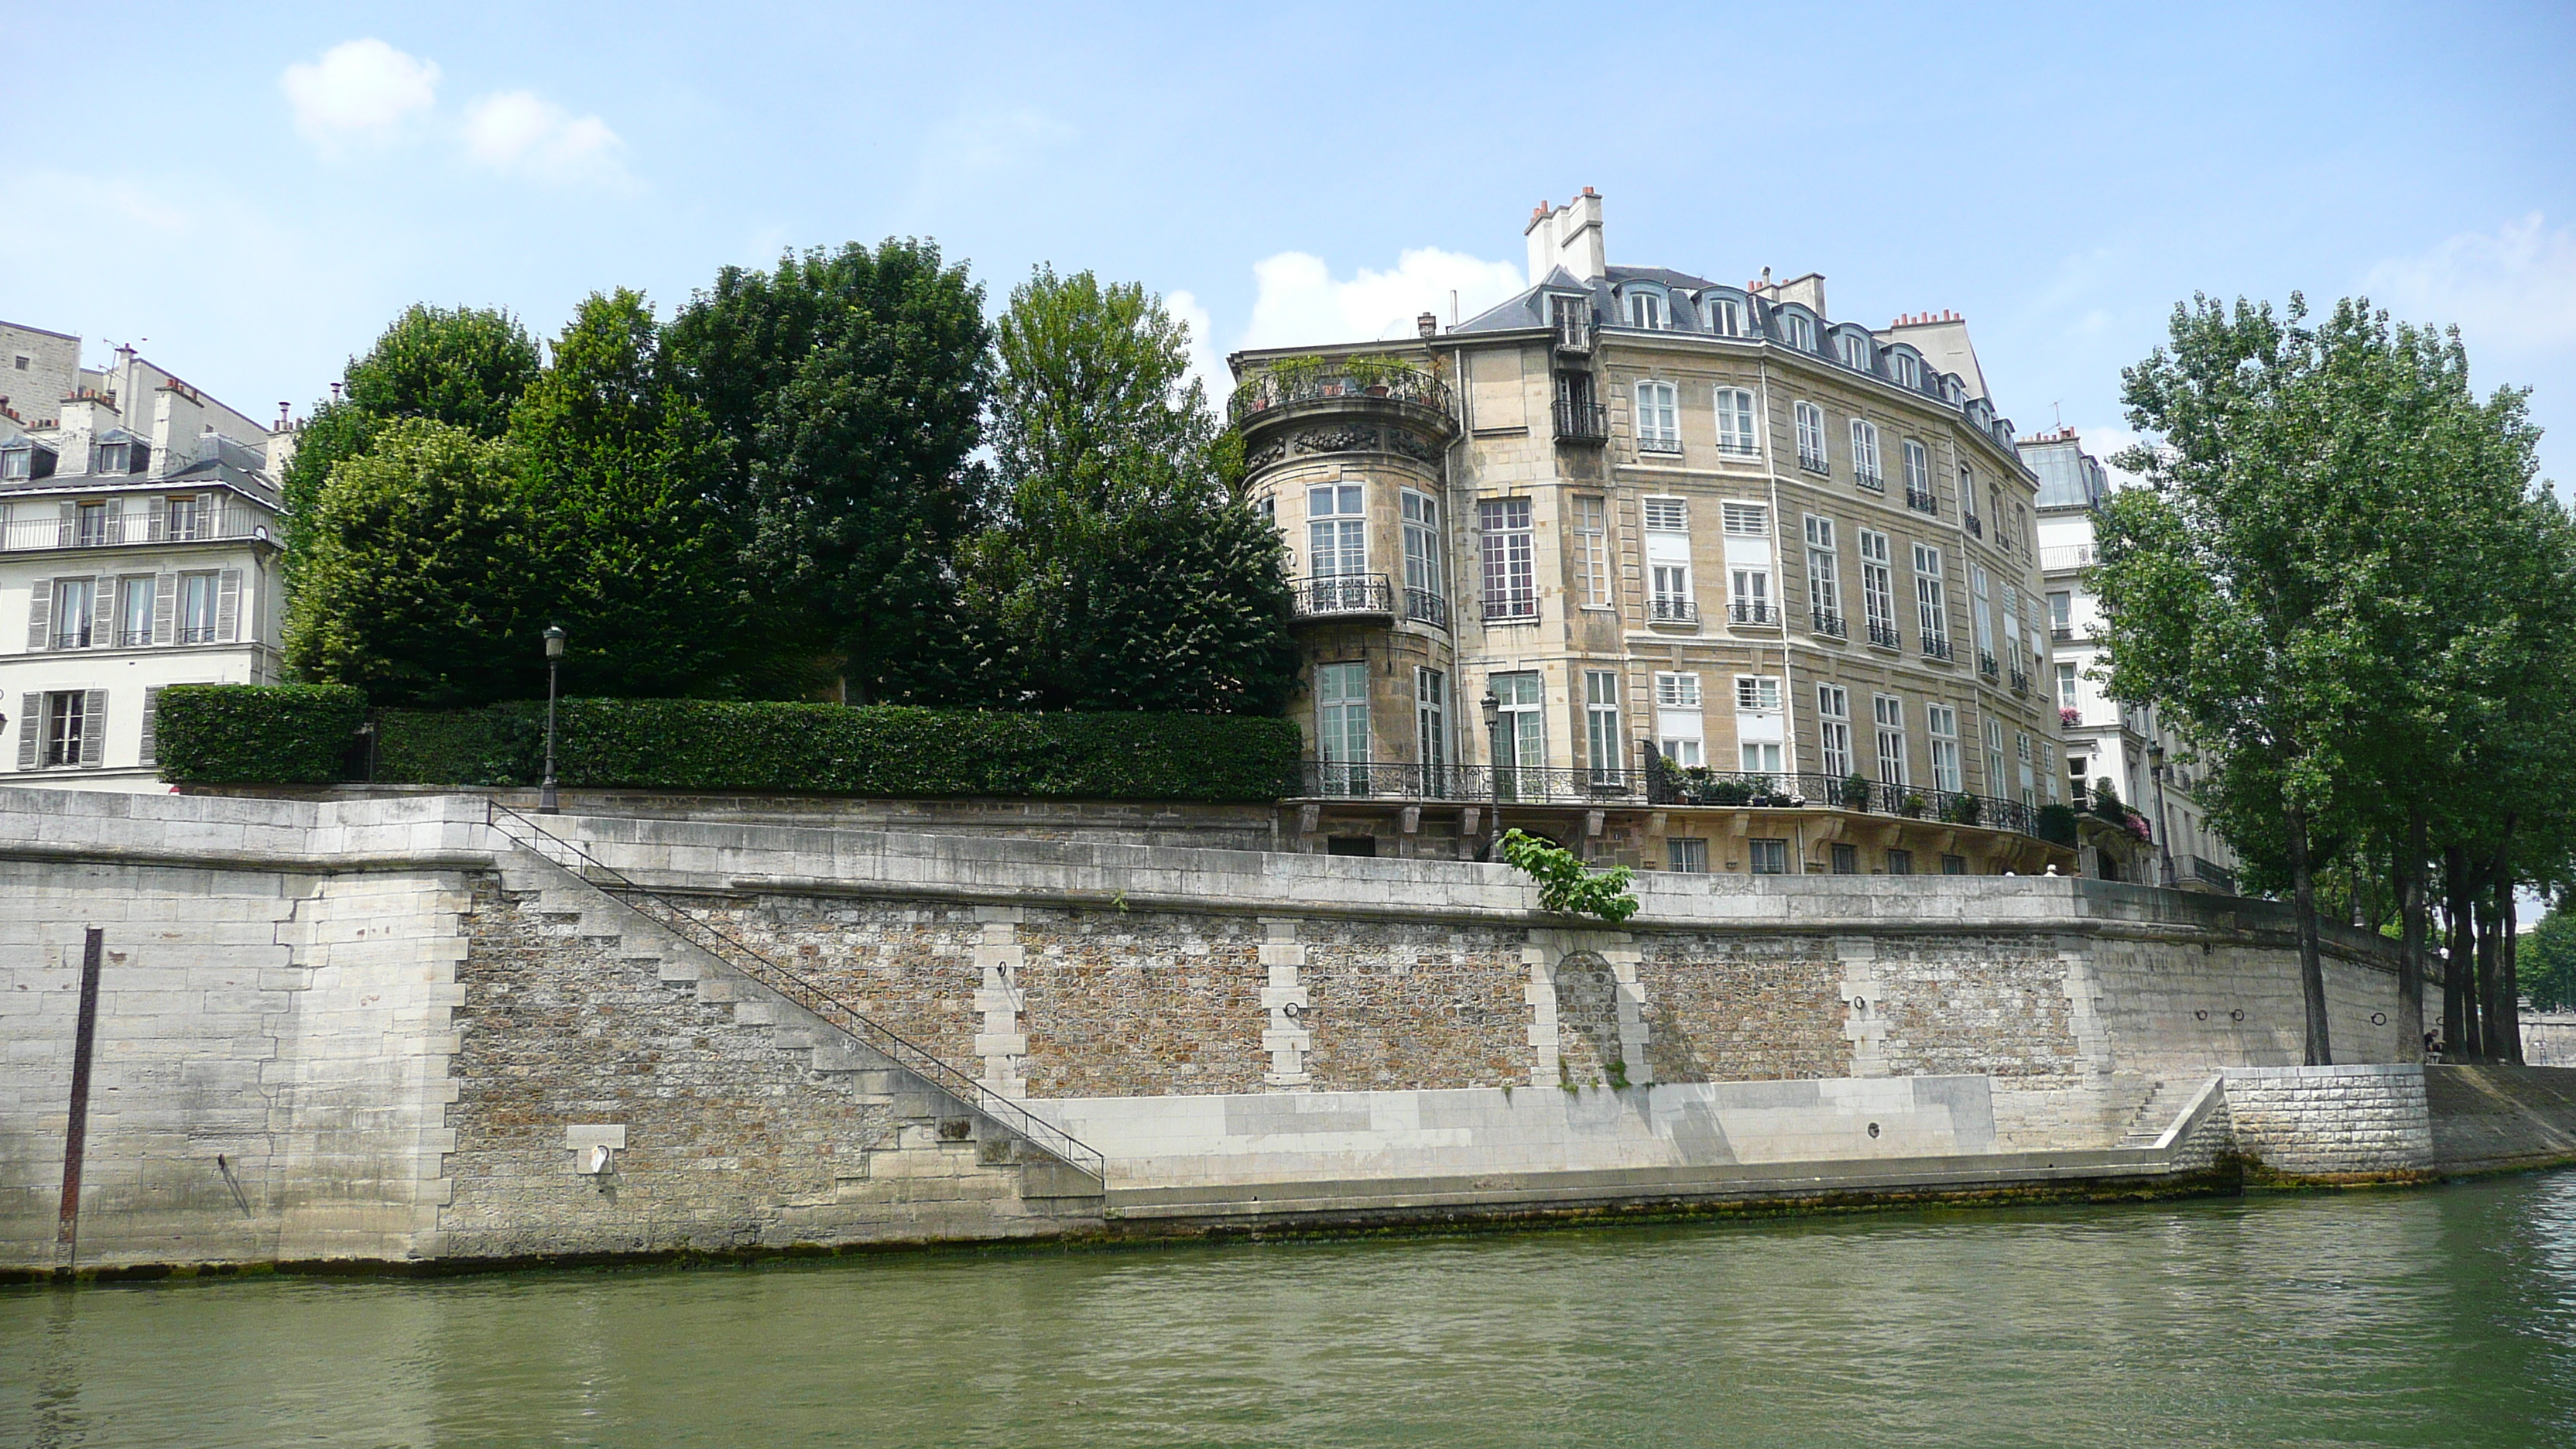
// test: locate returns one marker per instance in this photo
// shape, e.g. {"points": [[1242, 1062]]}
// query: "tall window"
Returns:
{"points": [[1995, 756], [1824, 580], [1431, 722], [1668, 574], [1931, 603], [1890, 712], [1591, 550], [91, 526], [1918, 478], [1833, 728], [134, 617], [1677, 718], [197, 608], [1968, 499], [1865, 469], [1735, 423], [2067, 696], [1659, 427], [1522, 725], [2061, 611], [1748, 595], [1511, 586], [74, 603], [1811, 437], [70, 730], [2029, 792], [1646, 309], [1798, 330], [1941, 724], [1980, 622], [2012, 628], [184, 518], [1671, 599], [1601, 724], [1426, 580], [1878, 589], [1336, 532], [1342, 726], [1725, 316]]}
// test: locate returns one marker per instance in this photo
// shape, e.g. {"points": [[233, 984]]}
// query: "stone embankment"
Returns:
{"points": [[382, 1031]]}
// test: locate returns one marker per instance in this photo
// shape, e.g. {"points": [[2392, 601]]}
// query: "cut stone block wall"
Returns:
{"points": [[2331, 1121]]}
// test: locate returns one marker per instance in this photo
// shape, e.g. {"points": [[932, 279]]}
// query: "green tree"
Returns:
{"points": [[419, 583], [2549, 960], [846, 389], [1122, 573]]}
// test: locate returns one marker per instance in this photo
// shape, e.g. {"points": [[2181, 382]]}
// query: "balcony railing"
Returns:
{"points": [[1573, 333], [1511, 609], [1581, 422], [1425, 607], [1987, 667], [1670, 784], [1729, 446], [2210, 873], [1922, 501], [201, 634], [1343, 594], [1672, 611], [1751, 611], [1885, 635], [1936, 646], [2020, 682], [1976, 525], [72, 638], [1470, 784], [1874, 482], [1814, 462], [2061, 633], [2067, 556], [1659, 442], [1280, 387], [27, 535], [1826, 622]]}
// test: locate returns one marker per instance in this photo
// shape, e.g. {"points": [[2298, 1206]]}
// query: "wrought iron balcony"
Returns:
{"points": [[1814, 462], [1672, 611], [96, 528], [1885, 635], [2061, 633], [1976, 525], [1987, 666], [2020, 682], [2210, 873], [1751, 611], [1581, 422], [1826, 622], [1659, 442], [1936, 646], [1733, 447], [1473, 784], [1425, 607], [1874, 482], [1670, 784], [1922, 500], [1282, 386], [1344, 595]]}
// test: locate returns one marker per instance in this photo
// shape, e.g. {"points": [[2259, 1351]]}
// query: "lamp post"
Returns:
{"points": [[2164, 836], [546, 802], [1494, 769]]}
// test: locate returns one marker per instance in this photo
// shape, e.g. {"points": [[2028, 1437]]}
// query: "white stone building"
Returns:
{"points": [[2107, 740], [138, 549]]}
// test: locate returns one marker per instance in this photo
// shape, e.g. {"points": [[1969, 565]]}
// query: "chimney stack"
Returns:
{"points": [[1567, 236], [1428, 324]]}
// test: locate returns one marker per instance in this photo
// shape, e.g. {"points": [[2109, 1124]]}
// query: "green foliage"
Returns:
{"points": [[2545, 964], [2056, 825], [269, 734], [1565, 885], [503, 745], [1962, 810], [848, 390], [901, 751], [423, 582], [1856, 792], [465, 367]]}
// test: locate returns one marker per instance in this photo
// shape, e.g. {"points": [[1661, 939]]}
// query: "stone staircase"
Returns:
{"points": [[941, 1149], [2146, 1123]]}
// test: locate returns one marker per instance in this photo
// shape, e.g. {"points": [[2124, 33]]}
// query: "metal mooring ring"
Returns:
{"points": [[2237, 1015], [2379, 1018]]}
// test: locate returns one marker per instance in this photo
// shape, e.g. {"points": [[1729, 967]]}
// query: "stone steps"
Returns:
{"points": [[2149, 1121]]}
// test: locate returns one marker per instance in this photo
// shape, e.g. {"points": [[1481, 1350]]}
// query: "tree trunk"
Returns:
{"points": [[2512, 981], [2490, 1041], [2503, 1019], [2312, 972], [2410, 962], [2459, 1009]]}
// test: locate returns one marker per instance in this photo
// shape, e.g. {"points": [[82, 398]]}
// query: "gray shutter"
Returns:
{"points": [[116, 520], [71, 525], [165, 608], [153, 509], [228, 607], [40, 615], [94, 729], [152, 725], [102, 618], [31, 728]]}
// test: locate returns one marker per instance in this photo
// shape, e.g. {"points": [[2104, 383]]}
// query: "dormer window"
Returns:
{"points": [[1725, 316], [1907, 368], [111, 458], [13, 463], [1854, 350], [1798, 330], [1646, 310]]}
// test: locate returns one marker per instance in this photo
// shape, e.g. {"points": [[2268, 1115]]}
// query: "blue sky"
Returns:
{"points": [[257, 189]]}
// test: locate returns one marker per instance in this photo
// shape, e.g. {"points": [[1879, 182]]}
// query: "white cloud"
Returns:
{"points": [[359, 91], [2514, 287], [524, 133], [1300, 303], [1206, 365]]}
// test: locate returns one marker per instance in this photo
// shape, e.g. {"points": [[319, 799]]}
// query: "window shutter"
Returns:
{"points": [[165, 608], [151, 725], [40, 615], [31, 728], [153, 510], [94, 729], [71, 525], [116, 520], [228, 607], [102, 619]]}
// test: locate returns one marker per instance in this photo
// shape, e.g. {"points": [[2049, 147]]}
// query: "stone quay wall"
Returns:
{"points": [[371, 1028], [2323, 1122]]}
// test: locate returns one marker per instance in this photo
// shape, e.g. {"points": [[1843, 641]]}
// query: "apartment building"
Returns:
{"points": [[1685, 574], [2144, 764], [138, 549]]}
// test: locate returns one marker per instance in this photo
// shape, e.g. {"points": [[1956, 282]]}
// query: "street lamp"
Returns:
{"points": [[546, 802], [1494, 769], [2164, 834]]}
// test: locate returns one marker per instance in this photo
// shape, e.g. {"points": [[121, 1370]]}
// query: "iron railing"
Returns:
{"points": [[1922, 500], [1731, 446], [1275, 387], [1987, 666], [1874, 482], [1826, 622], [1659, 442], [2020, 682], [1976, 526], [1581, 422], [1885, 635], [2210, 873], [101, 530], [1814, 462], [1426, 607], [2061, 633], [1573, 332], [1751, 611], [1472, 784], [1343, 594], [1668, 610], [670, 915], [1936, 646]]}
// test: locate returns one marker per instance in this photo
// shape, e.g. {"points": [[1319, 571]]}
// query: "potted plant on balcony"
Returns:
{"points": [[2056, 825], [1962, 809], [1291, 377], [1369, 374], [1855, 791], [1914, 805], [2069, 716]]}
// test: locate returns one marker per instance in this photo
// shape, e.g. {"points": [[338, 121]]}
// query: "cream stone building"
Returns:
{"points": [[1721, 582], [138, 549]]}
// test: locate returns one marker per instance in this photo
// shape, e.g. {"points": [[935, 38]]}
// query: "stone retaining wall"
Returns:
{"points": [[2328, 1122]]}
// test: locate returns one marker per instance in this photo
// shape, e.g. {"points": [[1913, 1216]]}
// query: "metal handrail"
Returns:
{"points": [[1331, 594], [675, 918], [1581, 422], [1473, 784]]}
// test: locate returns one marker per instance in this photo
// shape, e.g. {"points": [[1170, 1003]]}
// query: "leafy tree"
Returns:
{"points": [[1564, 885], [419, 584], [846, 389], [1123, 573], [2549, 961]]}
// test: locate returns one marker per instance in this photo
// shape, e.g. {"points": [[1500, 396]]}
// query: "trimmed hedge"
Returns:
{"points": [[282, 734], [823, 749]]}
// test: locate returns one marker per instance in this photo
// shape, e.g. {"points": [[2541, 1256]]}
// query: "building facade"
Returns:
{"points": [[138, 549], [2126, 748], [1685, 575]]}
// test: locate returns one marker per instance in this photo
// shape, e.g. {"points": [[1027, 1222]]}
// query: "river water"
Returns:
{"points": [[2434, 1316]]}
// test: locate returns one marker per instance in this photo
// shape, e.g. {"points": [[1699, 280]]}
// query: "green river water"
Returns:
{"points": [[2435, 1316]]}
